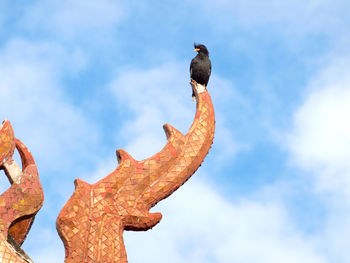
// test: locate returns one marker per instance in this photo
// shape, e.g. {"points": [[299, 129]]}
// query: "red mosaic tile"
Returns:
{"points": [[20, 203], [92, 222]]}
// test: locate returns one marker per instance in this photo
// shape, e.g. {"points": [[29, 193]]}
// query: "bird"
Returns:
{"points": [[200, 68]]}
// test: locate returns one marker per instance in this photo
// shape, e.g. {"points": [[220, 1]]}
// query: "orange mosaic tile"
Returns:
{"points": [[92, 222], [7, 142], [20, 203]]}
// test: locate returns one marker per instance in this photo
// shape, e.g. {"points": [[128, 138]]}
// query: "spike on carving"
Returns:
{"points": [[7, 142], [92, 222], [20, 203]]}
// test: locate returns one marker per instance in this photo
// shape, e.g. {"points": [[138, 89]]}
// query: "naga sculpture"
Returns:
{"points": [[92, 222], [20, 203]]}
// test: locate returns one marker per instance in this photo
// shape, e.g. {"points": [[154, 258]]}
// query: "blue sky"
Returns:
{"points": [[80, 79]]}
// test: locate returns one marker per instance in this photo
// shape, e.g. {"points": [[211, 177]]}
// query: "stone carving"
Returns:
{"points": [[92, 222], [20, 203]]}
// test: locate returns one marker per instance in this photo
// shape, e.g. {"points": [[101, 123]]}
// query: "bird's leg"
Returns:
{"points": [[194, 89], [197, 88]]}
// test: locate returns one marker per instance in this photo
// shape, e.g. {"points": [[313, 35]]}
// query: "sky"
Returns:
{"points": [[80, 79]]}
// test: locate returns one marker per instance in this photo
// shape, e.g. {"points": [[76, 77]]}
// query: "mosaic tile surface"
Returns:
{"points": [[20, 203], [92, 222], [7, 142]]}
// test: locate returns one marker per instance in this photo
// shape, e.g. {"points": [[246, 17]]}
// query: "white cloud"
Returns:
{"points": [[336, 232], [104, 168], [155, 96], [163, 95], [70, 18], [319, 143], [33, 100], [320, 139], [199, 225], [55, 131], [292, 16]]}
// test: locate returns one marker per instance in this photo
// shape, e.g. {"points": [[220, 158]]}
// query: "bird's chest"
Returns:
{"points": [[199, 64]]}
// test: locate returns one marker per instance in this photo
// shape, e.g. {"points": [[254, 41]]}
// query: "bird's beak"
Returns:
{"points": [[196, 50]]}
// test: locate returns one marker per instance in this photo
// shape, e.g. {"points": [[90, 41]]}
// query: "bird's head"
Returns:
{"points": [[201, 49]]}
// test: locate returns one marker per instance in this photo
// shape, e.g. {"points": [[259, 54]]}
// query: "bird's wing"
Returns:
{"points": [[193, 61], [209, 68]]}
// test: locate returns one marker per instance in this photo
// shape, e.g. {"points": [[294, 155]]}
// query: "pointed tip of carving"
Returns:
{"points": [[8, 142], [3, 122], [26, 155], [141, 222], [78, 183], [7, 127], [122, 156], [171, 132]]}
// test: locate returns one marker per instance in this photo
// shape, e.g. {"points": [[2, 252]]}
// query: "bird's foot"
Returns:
{"points": [[194, 85], [197, 88]]}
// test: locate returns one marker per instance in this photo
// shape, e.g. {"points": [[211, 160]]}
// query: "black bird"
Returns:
{"points": [[200, 68]]}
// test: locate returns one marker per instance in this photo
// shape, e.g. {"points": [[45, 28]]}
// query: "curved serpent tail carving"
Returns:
{"points": [[91, 223], [20, 203]]}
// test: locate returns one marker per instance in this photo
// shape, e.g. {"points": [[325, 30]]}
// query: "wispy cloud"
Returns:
{"points": [[68, 19], [320, 139], [32, 98], [199, 225], [162, 94], [55, 131], [326, 15], [319, 143]]}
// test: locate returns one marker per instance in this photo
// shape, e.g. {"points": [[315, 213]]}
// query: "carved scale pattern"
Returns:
{"points": [[20, 203], [92, 222]]}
